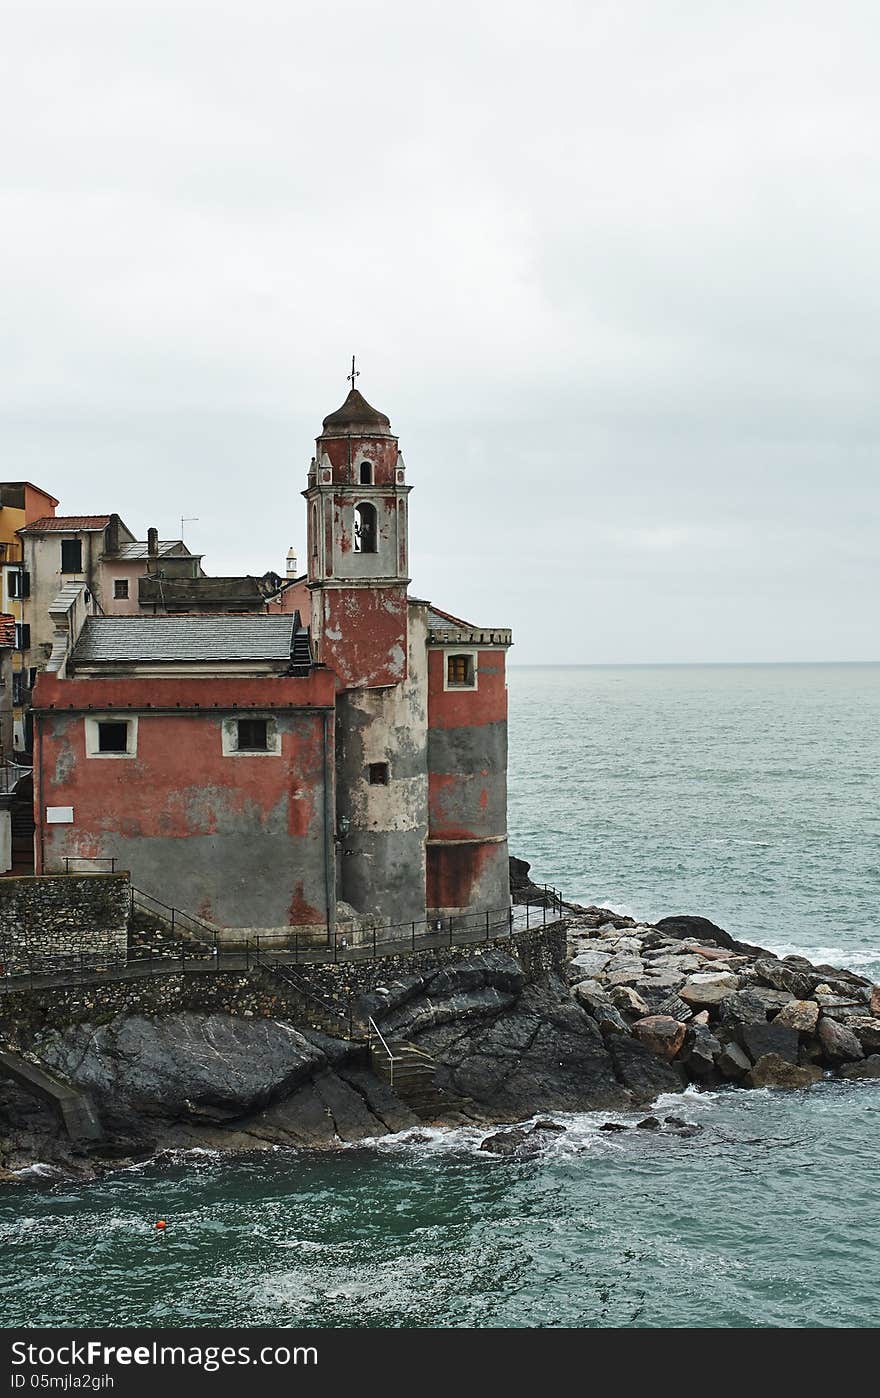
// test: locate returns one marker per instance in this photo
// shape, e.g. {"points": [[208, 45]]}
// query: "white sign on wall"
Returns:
{"points": [[59, 815]]}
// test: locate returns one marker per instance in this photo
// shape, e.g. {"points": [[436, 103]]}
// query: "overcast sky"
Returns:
{"points": [[611, 269]]}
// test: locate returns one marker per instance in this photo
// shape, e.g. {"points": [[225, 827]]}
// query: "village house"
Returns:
{"points": [[20, 504], [338, 758]]}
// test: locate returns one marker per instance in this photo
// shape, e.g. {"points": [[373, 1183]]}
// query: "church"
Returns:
{"points": [[334, 763]]}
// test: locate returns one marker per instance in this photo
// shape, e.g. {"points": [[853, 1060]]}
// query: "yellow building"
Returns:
{"points": [[20, 504]]}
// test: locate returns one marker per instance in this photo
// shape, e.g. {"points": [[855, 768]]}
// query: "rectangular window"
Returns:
{"points": [[22, 635], [378, 773], [252, 735], [112, 737], [71, 555], [120, 587], [460, 672], [18, 688], [19, 584]]}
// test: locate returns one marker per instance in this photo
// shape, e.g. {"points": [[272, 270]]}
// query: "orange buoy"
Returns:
{"points": [[160, 1224]]}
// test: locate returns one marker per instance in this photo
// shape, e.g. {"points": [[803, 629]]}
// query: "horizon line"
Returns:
{"points": [[672, 664]]}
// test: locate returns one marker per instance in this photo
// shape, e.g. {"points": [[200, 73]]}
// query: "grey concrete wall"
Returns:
{"points": [[382, 829]]}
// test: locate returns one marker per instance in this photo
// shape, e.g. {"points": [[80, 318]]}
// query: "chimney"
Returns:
{"points": [[153, 543], [111, 537], [291, 562]]}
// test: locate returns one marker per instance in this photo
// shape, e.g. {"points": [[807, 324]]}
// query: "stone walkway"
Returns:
{"points": [[525, 917]]}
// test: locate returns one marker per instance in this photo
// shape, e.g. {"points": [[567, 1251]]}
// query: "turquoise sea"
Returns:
{"points": [[746, 793]]}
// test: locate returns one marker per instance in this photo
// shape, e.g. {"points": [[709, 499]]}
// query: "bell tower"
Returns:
{"points": [[358, 555]]}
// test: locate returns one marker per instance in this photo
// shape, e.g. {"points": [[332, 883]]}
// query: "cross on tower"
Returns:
{"points": [[355, 373]]}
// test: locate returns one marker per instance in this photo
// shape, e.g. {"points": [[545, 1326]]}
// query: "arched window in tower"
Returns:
{"points": [[365, 529], [315, 533], [366, 473]]}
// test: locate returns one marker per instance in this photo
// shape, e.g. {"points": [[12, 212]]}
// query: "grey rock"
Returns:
{"points": [[673, 1005], [628, 1001], [867, 1031], [758, 1040], [650, 1123], [208, 1066], [840, 1044], [867, 1068], [708, 987], [700, 1052], [732, 1061], [743, 1008], [783, 976], [590, 962], [642, 1071]]}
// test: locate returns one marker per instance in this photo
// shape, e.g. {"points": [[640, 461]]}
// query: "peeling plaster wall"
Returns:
{"points": [[382, 829], [238, 840], [363, 633], [467, 787]]}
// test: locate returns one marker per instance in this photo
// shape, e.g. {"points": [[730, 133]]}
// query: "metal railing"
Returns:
{"points": [[11, 773], [83, 859], [193, 944], [373, 1028]]}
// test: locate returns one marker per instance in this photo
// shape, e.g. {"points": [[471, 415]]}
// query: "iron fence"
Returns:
{"points": [[193, 945]]}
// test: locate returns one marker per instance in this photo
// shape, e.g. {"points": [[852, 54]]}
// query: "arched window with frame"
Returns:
{"points": [[365, 528]]}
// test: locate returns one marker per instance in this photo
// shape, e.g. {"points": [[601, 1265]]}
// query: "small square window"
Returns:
{"points": [[377, 773], [252, 735], [71, 555], [460, 672], [120, 587], [112, 737]]}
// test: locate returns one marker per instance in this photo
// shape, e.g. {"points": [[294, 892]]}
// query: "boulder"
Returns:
{"points": [[675, 1006], [874, 1002], [643, 1071], [710, 953], [701, 1049], [840, 1044], [627, 1000], [590, 962], [661, 1033], [732, 1061], [206, 1066], [520, 1141], [650, 1123], [867, 1068], [773, 1071], [743, 1008], [772, 1000], [778, 1039], [784, 976], [708, 988], [700, 929], [613, 1126], [661, 979], [801, 1015], [867, 1031]]}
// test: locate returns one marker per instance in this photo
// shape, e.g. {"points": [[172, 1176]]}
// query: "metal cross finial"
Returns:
{"points": [[355, 373]]}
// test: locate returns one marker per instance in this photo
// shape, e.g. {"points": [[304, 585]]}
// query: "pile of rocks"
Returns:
{"points": [[721, 1010]]}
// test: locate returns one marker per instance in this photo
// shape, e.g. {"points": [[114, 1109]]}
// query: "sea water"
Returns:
{"points": [[747, 794]]}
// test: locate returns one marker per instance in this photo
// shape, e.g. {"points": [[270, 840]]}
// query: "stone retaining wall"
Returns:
{"points": [[254, 993], [52, 921]]}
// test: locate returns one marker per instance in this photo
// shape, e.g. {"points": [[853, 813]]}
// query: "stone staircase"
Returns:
{"points": [[411, 1073], [74, 1107]]}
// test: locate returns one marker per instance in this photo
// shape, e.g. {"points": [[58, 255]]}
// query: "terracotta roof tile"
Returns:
{"points": [[66, 524]]}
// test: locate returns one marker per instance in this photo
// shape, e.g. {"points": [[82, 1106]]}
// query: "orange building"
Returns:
{"points": [[20, 504]]}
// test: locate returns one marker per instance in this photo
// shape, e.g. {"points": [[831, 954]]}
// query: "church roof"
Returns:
{"points": [[135, 639], [356, 415]]}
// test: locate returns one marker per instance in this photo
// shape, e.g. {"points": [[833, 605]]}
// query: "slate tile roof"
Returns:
{"points": [[140, 549], [136, 639]]}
